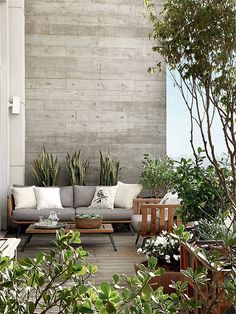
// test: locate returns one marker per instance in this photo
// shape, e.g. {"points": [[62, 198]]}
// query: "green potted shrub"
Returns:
{"points": [[200, 190], [76, 168], [109, 169], [157, 175], [45, 169]]}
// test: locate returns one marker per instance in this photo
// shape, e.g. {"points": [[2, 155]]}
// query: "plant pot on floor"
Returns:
{"points": [[171, 274]]}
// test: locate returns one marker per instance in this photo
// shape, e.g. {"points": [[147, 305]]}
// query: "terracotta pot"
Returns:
{"points": [[164, 280], [88, 223]]}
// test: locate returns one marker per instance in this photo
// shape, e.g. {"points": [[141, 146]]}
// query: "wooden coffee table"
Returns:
{"points": [[104, 229]]}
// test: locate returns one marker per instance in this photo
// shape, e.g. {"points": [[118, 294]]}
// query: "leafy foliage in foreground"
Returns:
{"points": [[62, 280]]}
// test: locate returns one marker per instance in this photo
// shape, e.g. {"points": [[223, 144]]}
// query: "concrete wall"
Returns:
{"points": [[87, 85]]}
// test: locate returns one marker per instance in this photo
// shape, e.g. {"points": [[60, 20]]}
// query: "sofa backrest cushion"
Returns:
{"points": [[67, 196], [83, 195], [24, 197]]}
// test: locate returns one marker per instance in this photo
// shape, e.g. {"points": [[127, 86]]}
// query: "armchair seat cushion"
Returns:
{"points": [[31, 214], [136, 222], [107, 214]]}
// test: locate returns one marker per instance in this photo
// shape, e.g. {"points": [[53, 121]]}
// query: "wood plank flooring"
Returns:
{"points": [[100, 250]]}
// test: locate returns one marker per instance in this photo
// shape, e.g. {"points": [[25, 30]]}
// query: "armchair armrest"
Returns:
{"points": [[138, 202]]}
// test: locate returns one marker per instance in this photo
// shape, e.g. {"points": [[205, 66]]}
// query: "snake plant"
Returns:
{"points": [[109, 169], [76, 168], [45, 169]]}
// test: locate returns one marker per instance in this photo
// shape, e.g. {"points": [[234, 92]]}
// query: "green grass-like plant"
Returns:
{"points": [[45, 169], [109, 169], [76, 168]]}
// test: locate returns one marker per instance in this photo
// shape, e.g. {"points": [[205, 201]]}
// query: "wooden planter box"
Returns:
{"points": [[164, 280], [189, 257]]}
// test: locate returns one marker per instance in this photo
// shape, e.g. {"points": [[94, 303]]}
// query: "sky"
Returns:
{"points": [[178, 127]]}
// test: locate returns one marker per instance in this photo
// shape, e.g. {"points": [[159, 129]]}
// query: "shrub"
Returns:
{"points": [[109, 169], [45, 169], [164, 247], [157, 175], [200, 190], [76, 168]]}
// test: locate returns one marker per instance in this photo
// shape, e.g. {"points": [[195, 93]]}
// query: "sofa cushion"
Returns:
{"points": [[31, 214], [83, 195], [107, 214], [48, 197], [136, 222], [104, 197], [24, 197], [126, 194], [67, 194]]}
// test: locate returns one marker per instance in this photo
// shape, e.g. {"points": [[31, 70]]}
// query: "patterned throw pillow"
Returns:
{"points": [[104, 197]]}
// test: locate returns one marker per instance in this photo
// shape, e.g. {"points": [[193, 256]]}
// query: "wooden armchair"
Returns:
{"points": [[150, 219]]}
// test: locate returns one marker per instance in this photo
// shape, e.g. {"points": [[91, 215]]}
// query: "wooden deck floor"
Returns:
{"points": [[100, 250]]}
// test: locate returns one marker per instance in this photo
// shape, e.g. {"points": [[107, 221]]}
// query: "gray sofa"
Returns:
{"points": [[75, 200]]}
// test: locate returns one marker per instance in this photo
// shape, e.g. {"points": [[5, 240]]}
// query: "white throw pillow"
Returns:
{"points": [[104, 197], [126, 193], [48, 198], [24, 197], [170, 198]]}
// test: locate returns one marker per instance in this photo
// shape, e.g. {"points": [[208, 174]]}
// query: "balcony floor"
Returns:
{"points": [[100, 250]]}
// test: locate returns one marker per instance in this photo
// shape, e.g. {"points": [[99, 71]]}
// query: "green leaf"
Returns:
{"points": [[106, 288]]}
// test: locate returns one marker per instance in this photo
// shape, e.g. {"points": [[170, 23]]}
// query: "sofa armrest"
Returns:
{"points": [[138, 202], [10, 206]]}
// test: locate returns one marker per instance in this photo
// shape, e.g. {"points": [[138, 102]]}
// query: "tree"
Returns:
{"points": [[197, 39]]}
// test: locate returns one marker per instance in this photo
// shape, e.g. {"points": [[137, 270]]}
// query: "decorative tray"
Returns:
{"points": [[57, 226]]}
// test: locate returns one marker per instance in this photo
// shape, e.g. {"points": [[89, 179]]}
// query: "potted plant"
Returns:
{"points": [[76, 168], [157, 175], [200, 190], [166, 250], [45, 169], [88, 221], [109, 169]]}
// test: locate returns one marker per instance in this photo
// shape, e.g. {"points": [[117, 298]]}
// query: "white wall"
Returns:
{"points": [[12, 127]]}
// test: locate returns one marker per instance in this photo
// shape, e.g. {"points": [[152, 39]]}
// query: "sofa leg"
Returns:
{"points": [[131, 229], [138, 235], [18, 231]]}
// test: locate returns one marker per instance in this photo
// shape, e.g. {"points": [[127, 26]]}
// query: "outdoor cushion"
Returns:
{"points": [[136, 222], [170, 198], [24, 197], [66, 193], [48, 197], [104, 197], [31, 214], [126, 193], [83, 195], [107, 214]]}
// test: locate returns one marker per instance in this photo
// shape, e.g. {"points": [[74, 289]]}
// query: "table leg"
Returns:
{"points": [[27, 241], [112, 241]]}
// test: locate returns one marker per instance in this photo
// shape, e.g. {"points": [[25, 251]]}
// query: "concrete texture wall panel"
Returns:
{"points": [[87, 85]]}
